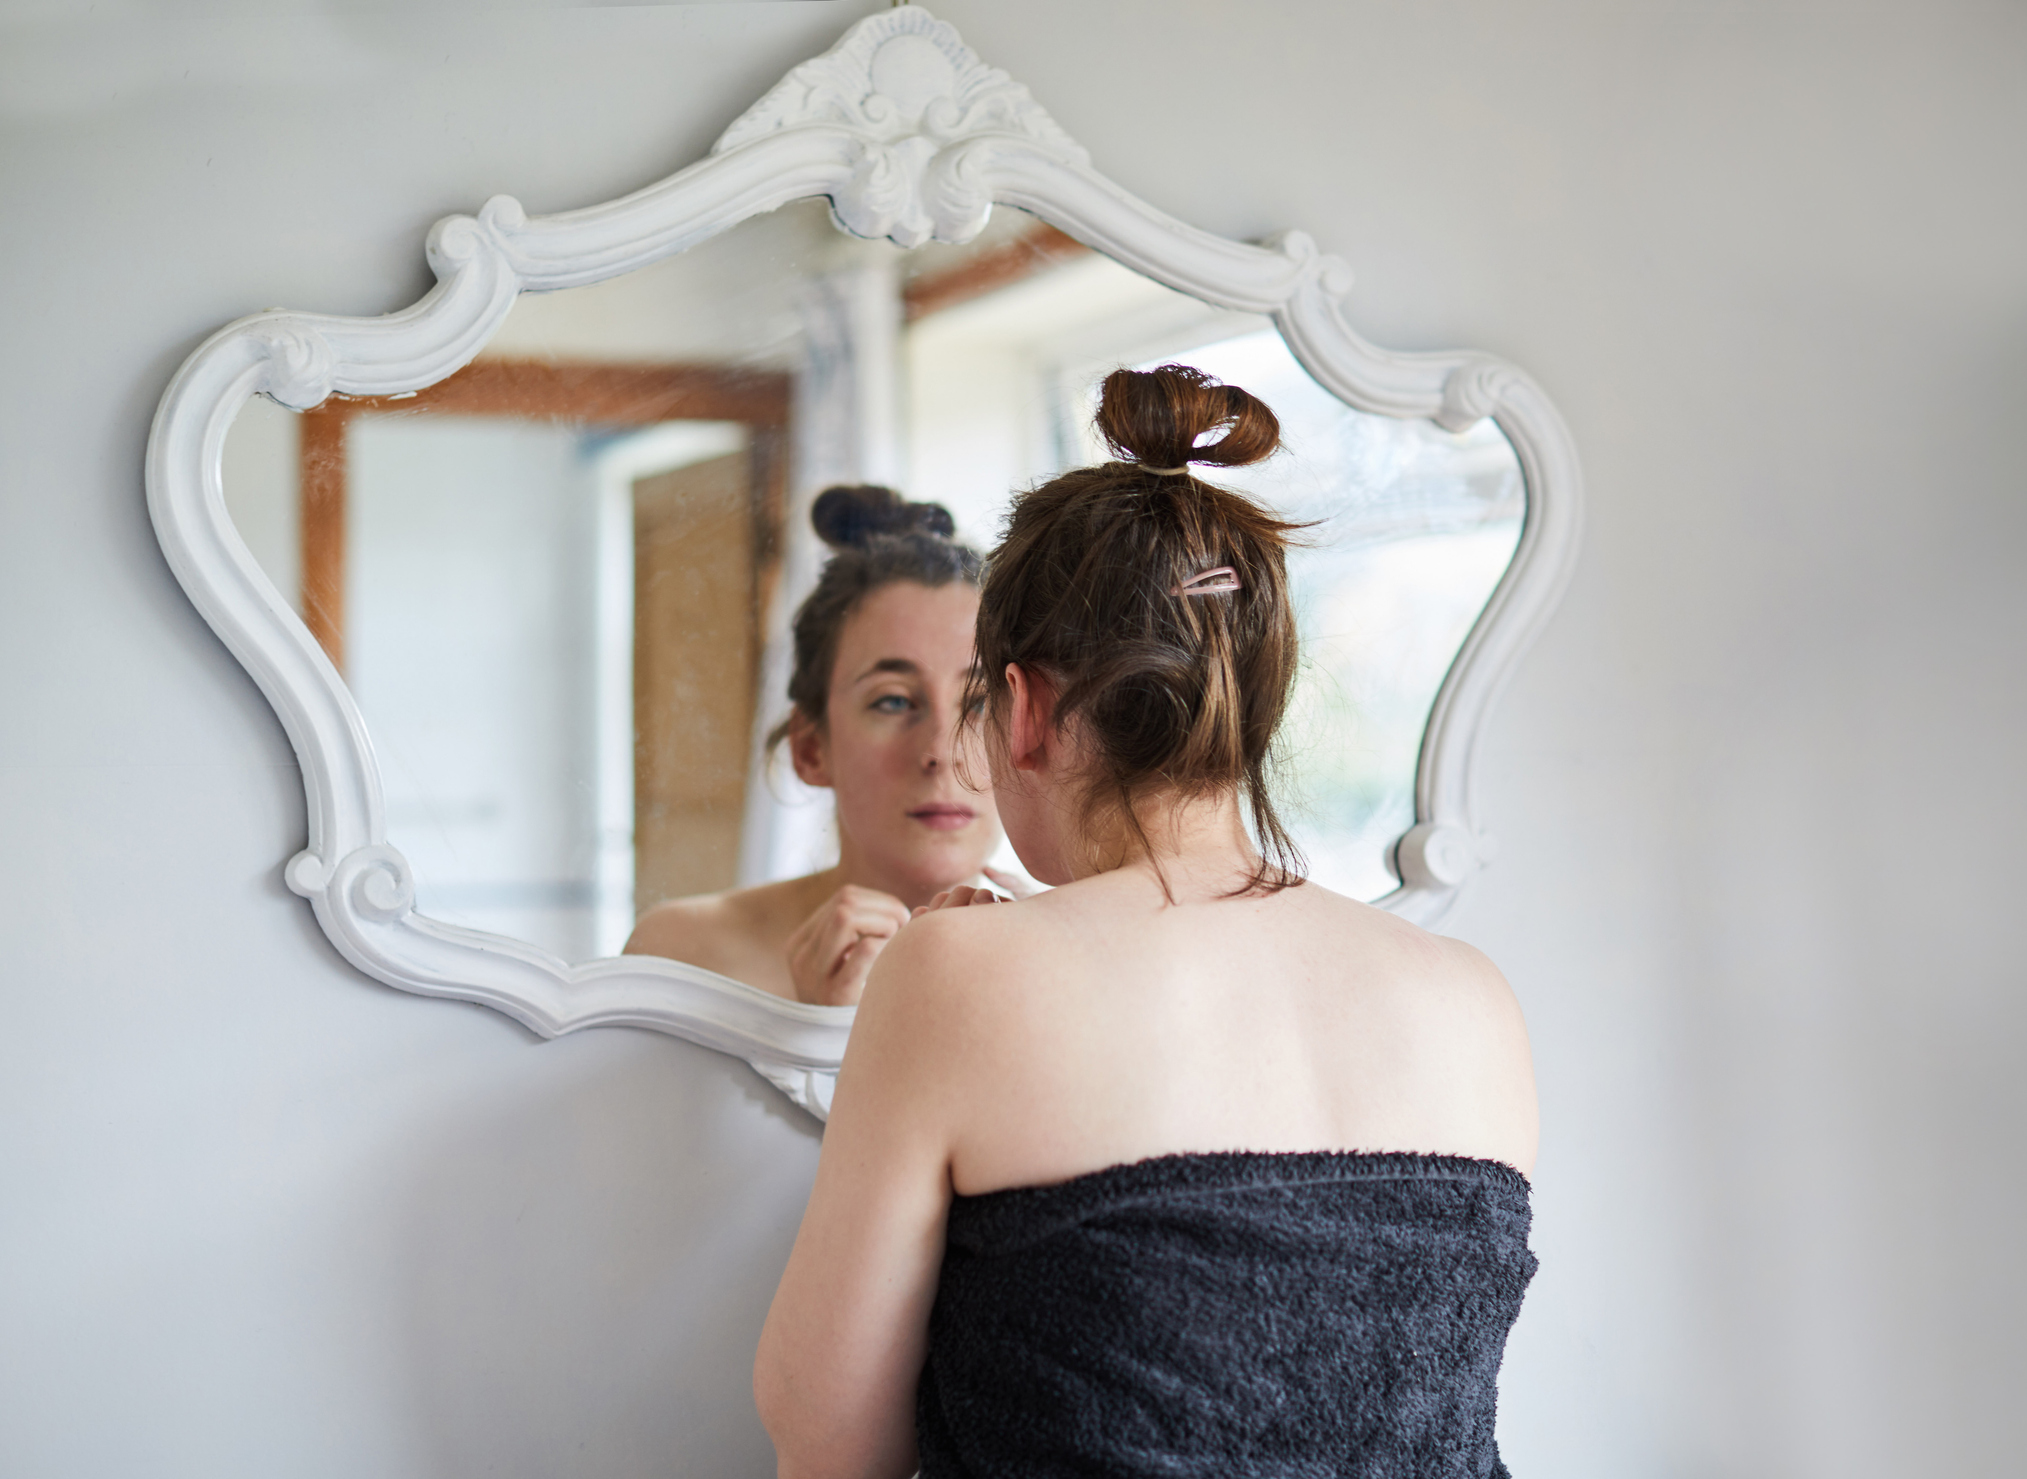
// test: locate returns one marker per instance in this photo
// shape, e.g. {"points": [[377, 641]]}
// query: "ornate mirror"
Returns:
{"points": [[515, 565]]}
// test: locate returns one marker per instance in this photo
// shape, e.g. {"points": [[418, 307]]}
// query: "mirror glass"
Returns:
{"points": [[559, 582]]}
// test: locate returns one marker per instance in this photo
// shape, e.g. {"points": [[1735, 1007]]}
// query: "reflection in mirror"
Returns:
{"points": [[559, 582]]}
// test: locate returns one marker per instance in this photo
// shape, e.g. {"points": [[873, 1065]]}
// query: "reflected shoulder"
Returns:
{"points": [[763, 909], [677, 927]]}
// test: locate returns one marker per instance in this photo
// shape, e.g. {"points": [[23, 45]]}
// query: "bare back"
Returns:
{"points": [[1098, 1025], [1135, 648]]}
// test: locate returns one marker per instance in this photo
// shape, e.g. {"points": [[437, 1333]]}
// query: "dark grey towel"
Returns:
{"points": [[1228, 1315]]}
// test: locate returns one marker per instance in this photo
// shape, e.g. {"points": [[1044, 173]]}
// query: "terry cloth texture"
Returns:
{"points": [[1228, 1315]]}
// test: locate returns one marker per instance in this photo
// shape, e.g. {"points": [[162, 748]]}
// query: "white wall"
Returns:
{"points": [[1756, 788]]}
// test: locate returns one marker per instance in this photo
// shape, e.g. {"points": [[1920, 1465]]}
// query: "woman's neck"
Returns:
{"points": [[855, 868], [1197, 848]]}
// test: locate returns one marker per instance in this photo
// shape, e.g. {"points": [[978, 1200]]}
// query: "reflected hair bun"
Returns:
{"points": [[877, 538], [849, 515]]}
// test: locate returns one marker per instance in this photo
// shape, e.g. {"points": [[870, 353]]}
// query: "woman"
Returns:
{"points": [[1186, 1167], [882, 651]]}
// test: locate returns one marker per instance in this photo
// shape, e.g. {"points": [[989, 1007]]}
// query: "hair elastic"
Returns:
{"points": [[1166, 472], [1209, 582]]}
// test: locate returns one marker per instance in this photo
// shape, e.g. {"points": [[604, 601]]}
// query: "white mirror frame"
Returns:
{"points": [[913, 139]]}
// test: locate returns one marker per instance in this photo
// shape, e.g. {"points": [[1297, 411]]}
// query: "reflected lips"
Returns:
{"points": [[943, 818]]}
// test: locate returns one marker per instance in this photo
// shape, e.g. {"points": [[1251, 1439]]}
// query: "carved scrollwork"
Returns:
{"points": [[1438, 855], [1473, 391], [956, 190], [809, 1088], [456, 241], [919, 103], [306, 874], [301, 367], [375, 883], [885, 194]]}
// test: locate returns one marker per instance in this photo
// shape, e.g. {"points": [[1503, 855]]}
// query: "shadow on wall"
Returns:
{"points": [[587, 1270]]}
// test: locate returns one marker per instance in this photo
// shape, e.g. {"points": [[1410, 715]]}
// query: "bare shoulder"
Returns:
{"points": [[1440, 968], [1480, 1007], [937, 993], [1470, 972], [1456, 983], [1464, 1023], [947, 957], [1437, 1012]]}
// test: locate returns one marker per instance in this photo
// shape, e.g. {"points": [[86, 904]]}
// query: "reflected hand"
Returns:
{"points": [[958, 898], [1014, 885], [830, 952]]}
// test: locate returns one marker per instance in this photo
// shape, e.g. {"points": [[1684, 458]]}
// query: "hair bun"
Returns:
{"points": [[1157, 416], [850, 514]]}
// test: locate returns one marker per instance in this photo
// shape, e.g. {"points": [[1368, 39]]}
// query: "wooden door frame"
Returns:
{"points": [[595, 393]]}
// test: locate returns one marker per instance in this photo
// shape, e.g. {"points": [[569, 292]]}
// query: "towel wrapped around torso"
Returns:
{"points": [[1230, 1314]]}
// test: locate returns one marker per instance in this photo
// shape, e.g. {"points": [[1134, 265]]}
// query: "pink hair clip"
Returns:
{"points": [[1209, 582]]}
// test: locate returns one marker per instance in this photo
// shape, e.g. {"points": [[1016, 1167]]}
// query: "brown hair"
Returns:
{"points": [[1178, 695], [879, 538]]}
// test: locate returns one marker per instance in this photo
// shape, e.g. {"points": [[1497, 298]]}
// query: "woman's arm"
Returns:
{"points": [[844, 1343]]}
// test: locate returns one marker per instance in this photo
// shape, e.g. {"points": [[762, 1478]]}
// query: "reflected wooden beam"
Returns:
{"points": [[595, 393], [598, 393], [321, 528], [998, 267]]}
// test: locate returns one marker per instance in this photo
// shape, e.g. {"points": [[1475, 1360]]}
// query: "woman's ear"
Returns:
{"points": [[1032, 704], [809, 750]]}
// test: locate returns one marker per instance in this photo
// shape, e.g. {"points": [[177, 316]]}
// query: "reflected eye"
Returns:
{"points": [[890, 703]]}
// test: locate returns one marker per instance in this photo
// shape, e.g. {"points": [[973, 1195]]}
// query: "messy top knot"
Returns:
{"points": [[1156, 605], [849, 515], [879, 538], [1157, 418]]}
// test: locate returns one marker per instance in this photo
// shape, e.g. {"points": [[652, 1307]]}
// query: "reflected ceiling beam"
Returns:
{"points": [[596, 393], [1036, 250], [590, 393]]}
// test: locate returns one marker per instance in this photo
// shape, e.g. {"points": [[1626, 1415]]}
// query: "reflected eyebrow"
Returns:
{"points": [[899, 665]]}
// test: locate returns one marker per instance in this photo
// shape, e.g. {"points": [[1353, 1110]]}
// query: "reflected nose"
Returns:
{"points": [[946, 733], [936, 749]]}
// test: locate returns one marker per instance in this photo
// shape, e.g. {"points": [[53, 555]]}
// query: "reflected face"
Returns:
{"points": [[890, 746]]}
